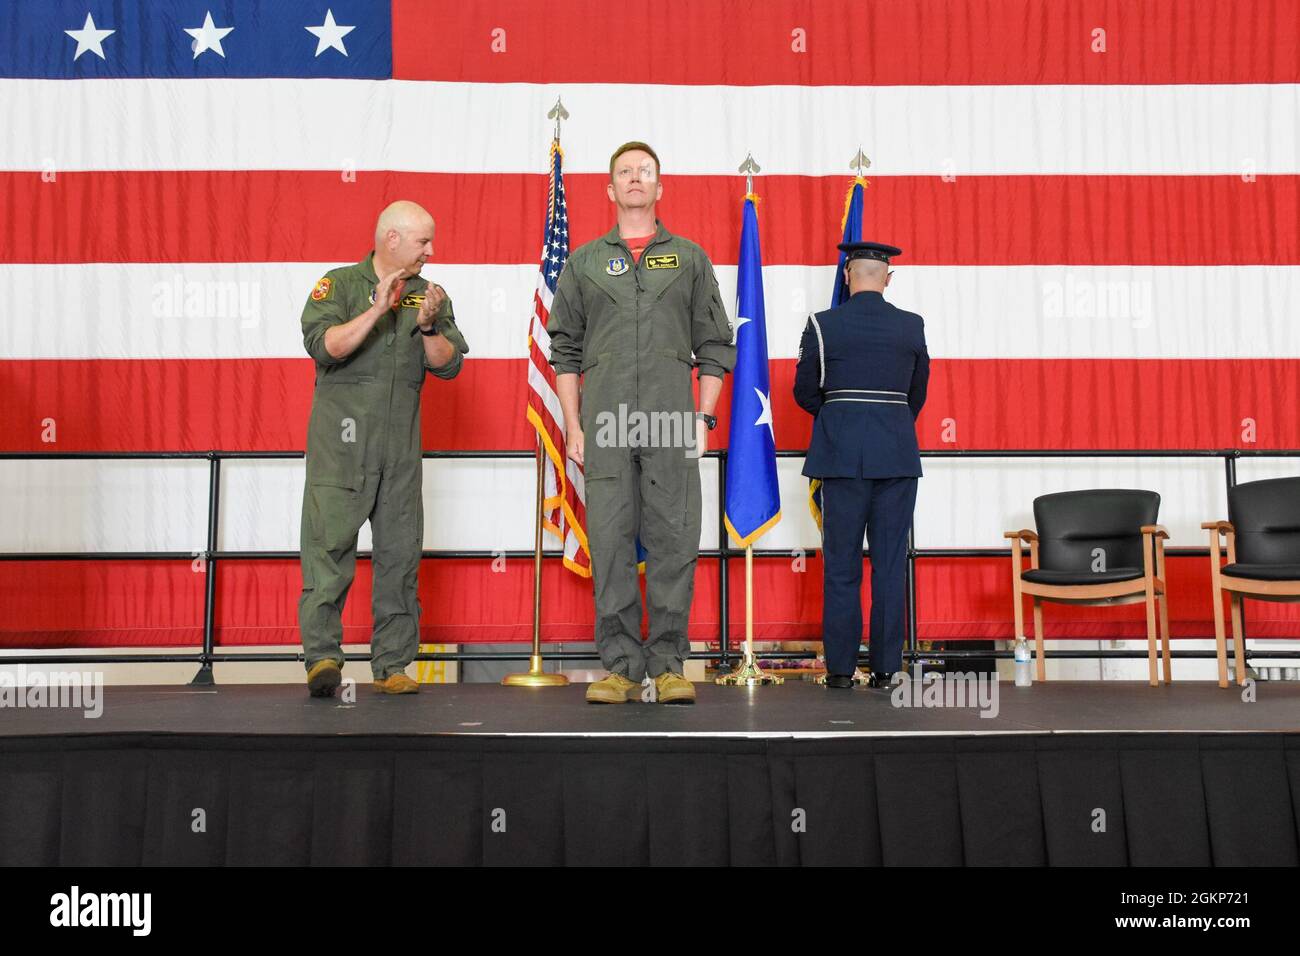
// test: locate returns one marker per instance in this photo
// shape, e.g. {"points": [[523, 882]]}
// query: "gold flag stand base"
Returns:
{"points": [[748, 674], [534, 677]]}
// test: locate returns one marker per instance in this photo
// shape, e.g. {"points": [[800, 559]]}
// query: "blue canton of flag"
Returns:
{"points": [[95, 39], [555, 244], [753, 498]]}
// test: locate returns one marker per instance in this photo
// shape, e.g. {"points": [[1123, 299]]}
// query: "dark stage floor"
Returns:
{"points": [[796, 709], [1183, 775]]}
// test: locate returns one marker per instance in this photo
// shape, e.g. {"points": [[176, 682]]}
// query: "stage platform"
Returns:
{"points": [[795, 709], [1064, 774]]}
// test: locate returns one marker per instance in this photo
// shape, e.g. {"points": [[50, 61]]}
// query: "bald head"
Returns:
{"points": [[402, 217], [867, 275], [404, 237]]}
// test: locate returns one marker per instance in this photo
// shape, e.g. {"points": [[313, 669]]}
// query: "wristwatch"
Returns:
{"points": [[710, 420], [432, 330]]}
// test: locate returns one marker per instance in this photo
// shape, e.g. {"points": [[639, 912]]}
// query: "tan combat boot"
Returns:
{"points": [[612, 689], [674, 689], [397, 683], [323, 677]]}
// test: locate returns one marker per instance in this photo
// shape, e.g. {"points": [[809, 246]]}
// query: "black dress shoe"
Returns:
{"points": [[880, 681], [842, 681]]}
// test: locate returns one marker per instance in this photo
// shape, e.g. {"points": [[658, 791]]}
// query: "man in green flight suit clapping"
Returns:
{"points": [[374, 330]]}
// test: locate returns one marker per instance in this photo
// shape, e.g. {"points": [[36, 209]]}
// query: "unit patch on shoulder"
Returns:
{"points": [[323, 289], [661, 262]]}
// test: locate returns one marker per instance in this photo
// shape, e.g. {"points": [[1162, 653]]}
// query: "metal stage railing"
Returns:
{"points": [[212, 557]]}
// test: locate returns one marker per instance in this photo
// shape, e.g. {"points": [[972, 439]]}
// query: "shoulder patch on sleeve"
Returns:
{"points": [[324, 289]]}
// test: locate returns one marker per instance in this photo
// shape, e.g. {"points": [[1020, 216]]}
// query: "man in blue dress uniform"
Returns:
{"points": [[862, 374]]}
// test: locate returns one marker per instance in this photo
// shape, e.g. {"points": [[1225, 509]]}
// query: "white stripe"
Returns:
{"points": [[123, 505], [539, 335], [550, 400], [200, 311], [576, 478], [226, 310], [970, 504], [545, 294], [909, 130], [541, 315], [143, 506]]}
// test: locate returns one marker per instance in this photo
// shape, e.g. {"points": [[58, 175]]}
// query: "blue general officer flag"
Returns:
{"points": [[852, 232], [852, 224], [753, 502]]}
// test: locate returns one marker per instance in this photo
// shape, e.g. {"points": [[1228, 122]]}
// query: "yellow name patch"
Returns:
{"points": [[412, 301], [661, 262]]}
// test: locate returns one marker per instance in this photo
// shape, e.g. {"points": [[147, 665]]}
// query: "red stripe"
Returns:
{"points": [[848, 42], [971, 598], [100, 604], [139, 405], [975, 220], [152, 603]]}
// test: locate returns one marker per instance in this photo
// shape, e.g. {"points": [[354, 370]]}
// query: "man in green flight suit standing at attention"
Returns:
{"points": [[374, 329], [634, 312]]}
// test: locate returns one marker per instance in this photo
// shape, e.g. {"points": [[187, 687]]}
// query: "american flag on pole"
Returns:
{"points": [[564, 507]]}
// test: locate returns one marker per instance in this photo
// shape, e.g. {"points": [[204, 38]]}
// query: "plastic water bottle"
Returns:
{"points": [[1024, 676]]}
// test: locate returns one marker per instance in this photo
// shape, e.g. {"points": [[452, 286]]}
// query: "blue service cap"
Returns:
{"points": [[869, 250]]}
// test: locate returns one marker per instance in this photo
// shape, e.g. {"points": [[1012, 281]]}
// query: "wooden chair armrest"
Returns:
{"points": [[1157, 529], [1024, 534], [1222, 527]]}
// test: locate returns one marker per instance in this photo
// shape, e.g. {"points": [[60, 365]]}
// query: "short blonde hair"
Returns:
{"points": [[627, 148]]}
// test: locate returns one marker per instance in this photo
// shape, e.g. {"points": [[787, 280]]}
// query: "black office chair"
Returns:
{"points": [[1263, 532], [1094, 548]]}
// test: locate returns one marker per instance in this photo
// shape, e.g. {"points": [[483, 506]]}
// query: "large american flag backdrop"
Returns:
{"points": [[1099, 203]]}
